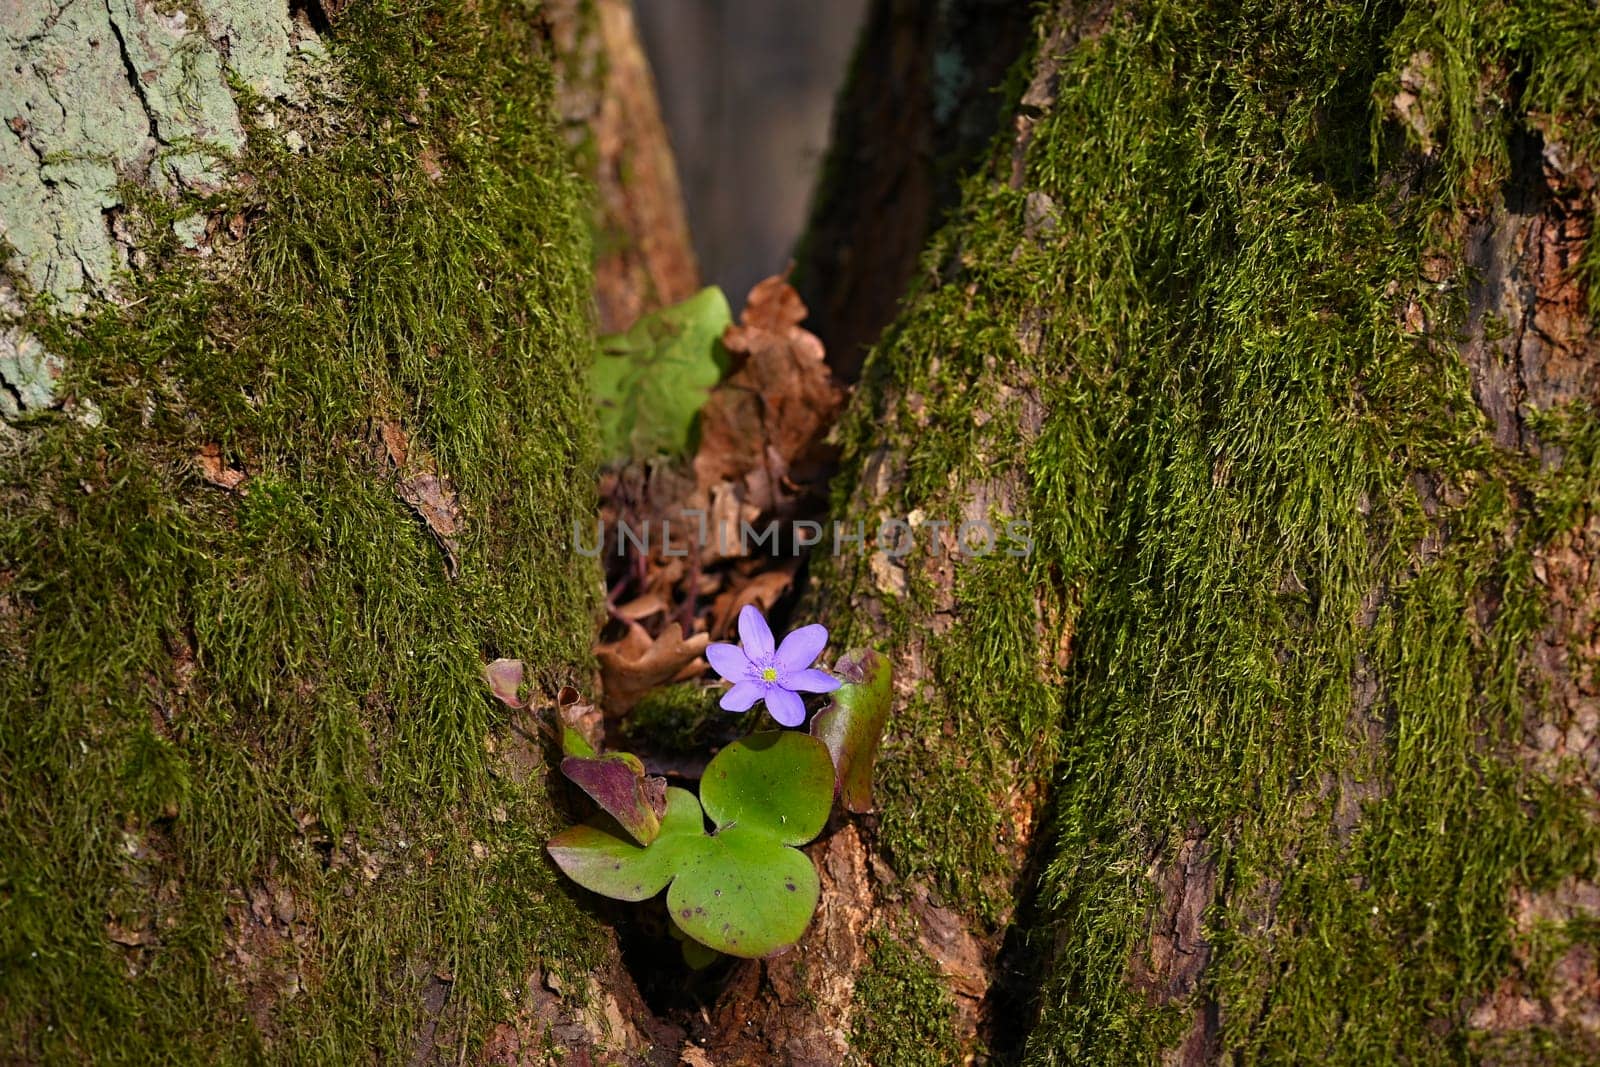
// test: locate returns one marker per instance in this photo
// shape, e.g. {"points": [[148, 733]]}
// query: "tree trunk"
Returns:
{"points": [[1275, 324], [924, 97], [605, 94], [295, 347]]}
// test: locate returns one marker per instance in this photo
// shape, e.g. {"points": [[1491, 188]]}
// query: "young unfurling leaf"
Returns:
{"points": [[853, 725]]}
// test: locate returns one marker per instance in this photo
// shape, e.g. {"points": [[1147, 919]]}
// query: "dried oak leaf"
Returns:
{"points": [[727, 515], [433, 497], [215, 471], [638, 663], [643, 607], [773, 412], [769, 482], [429, 493], [763, 591], [662, 577]]}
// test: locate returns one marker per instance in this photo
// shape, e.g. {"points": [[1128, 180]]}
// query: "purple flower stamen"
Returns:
{"points": [[777, 675]]}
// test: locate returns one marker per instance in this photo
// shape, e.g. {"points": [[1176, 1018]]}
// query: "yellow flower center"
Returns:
{"points": [[769, 674]]}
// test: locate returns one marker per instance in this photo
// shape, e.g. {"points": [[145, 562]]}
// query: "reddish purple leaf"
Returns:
{"points": [[505, 681], [618, 784]]}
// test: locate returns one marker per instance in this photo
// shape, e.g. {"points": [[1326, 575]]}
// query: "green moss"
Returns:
{"points": [[1242, 455], [903, 1014], [679, 718], [207, 695]]}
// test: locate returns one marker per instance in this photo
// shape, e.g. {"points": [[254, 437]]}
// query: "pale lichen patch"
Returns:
{"points": [[28, 373], [102, 92]]}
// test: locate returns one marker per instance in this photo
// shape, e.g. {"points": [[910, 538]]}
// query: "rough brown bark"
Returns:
{"points": [[1532, 348], [921, 103], [644, 257]]}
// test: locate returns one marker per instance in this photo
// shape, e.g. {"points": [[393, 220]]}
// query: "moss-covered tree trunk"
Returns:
{"points": [[1275, 321], [295, 326]]}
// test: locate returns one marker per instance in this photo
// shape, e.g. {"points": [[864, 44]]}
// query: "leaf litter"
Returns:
{"points": [[712, 500]]}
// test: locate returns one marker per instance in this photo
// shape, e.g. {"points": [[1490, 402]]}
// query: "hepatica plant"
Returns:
{"points": [[739, 885]]}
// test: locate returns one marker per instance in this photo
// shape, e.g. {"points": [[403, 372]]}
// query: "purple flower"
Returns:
{"points": [[778, 676]]}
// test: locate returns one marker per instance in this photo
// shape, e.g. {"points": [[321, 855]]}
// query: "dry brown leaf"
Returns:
{"points": [[643, 607], [769, 482], [638, 663], [429, 493], [215, 471], [773, 306], [763, 591], [774, 410], [433, 497], [727, 513], [395, 442], [663, 576], [575, 712]]}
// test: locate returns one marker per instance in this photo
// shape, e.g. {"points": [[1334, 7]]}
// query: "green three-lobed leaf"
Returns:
{"points": [[779, 781], [601, 856], [744, 890], [744, 893]]}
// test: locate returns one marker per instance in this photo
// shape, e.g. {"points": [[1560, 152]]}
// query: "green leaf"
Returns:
{"points": [[695, 954], [650, 382], [575, 744], [853, 725], [779, 781], [745, 894], [600, 856], [745, 890]]}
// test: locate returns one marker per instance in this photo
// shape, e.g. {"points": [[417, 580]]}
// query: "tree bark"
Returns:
{"points": [[1279, 744], [295, 345], [644, 257], [923, 99]]}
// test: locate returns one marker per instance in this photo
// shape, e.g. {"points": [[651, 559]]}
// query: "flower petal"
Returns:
{"points": [[786, 707], [801, 648], [741, 696], [728, 661], [812, 681], [755, 633]]}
